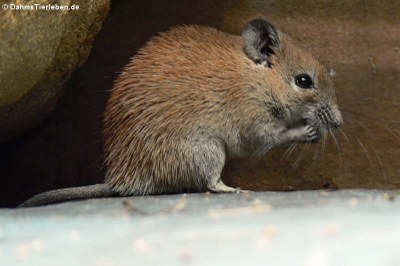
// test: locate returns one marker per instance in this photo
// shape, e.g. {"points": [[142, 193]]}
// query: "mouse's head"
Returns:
{"points": [[301, 86]]}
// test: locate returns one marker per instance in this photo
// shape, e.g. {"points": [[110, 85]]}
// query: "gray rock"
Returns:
{"points": [[39, 49]]}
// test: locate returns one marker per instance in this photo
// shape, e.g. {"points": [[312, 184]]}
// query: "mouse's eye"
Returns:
{"points": [[304, 81]]}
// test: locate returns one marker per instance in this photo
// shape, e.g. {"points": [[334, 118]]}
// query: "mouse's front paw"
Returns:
{"points": [[311, 134]]}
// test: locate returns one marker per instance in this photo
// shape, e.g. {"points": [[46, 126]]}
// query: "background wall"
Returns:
{"points": [[359, 40]]}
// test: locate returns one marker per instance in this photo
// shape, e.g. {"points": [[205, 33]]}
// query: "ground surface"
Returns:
{"points": [[345, 227]]}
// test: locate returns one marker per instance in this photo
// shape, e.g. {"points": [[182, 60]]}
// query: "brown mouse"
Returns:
{"points": [[194, 96]]}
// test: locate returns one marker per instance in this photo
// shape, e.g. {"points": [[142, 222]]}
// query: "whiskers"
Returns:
{"points": [[344, 135], [260, 152], [300, 156], [338, 147], [381, 166], [354, 117], [318, 151], [361, 148], [289, 150], [392, 132]]}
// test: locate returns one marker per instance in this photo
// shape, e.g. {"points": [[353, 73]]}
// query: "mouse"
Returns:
{"points": [[193, 97]]}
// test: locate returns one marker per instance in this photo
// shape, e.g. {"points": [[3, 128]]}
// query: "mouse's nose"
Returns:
{"points": [[337, 117], [329, 115]]}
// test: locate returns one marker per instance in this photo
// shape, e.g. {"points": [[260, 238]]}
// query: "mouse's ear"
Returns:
{"points": [[259, 39]]}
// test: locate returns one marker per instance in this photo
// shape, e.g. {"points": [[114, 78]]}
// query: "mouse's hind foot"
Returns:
{"points": [[220, 187]]}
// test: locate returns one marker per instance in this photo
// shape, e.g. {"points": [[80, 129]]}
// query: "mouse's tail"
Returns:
{"points": [[65, 194]]}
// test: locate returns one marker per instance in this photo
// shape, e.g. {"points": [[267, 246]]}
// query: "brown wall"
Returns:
{"points": [[360, 40]]}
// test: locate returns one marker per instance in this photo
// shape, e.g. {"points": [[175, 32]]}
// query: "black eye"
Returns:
{"points": [[304, 81]]}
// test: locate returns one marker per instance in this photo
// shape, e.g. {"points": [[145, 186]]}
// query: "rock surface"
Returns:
{"points": [[39, 50], [347, 227]]}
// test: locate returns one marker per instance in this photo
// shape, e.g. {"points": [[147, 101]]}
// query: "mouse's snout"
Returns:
{"points": [[338, 118], [329, 116]]}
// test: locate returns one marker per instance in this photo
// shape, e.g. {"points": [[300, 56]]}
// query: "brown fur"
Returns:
{"points": [[188, 86]]}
